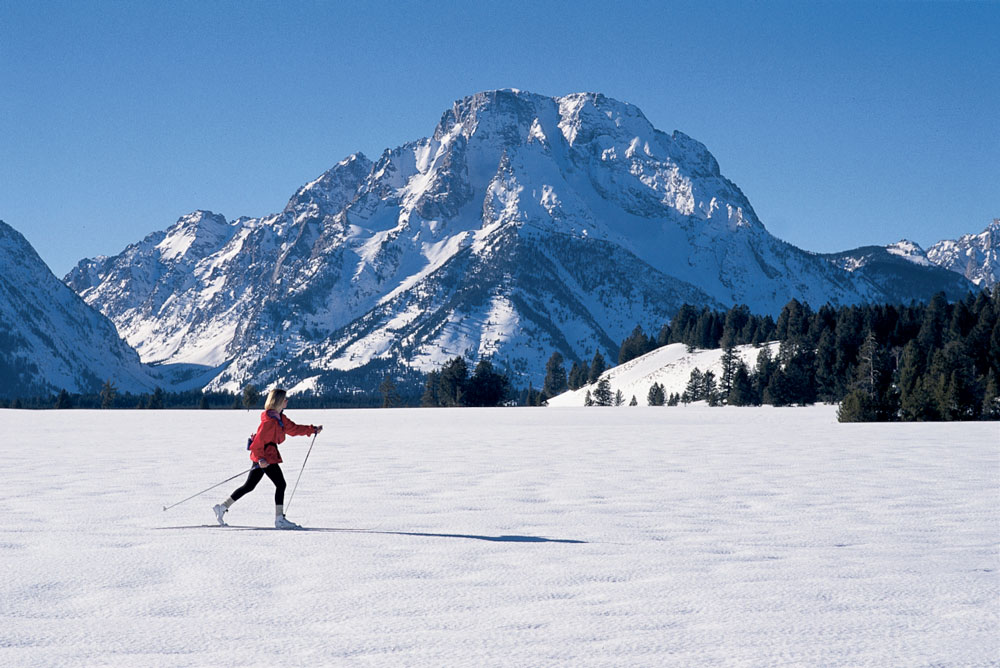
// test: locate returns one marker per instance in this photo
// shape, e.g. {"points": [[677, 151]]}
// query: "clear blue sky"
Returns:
{"points": [[844, 123]]}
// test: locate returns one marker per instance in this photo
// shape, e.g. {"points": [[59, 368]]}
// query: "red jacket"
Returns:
{"points": [[273, 428]]}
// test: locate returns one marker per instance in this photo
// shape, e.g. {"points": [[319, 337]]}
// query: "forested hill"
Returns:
{"points": [[934, 361]]}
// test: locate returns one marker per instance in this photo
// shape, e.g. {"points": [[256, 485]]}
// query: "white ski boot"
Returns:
{"points": [[282, 522], [220, 510]]}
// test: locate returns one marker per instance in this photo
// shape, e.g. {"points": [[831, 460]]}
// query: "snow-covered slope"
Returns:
{"points": [[974, 256], [524, 224], [654, 537], [50, 338], [670, 366], [902, 270]]}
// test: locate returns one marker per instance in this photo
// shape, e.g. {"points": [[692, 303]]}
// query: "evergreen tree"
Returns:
{"points": [[932, 329], [730, 360], [827, 384], [674, 399], [602, 394], [636, 345], [741, 393], [848, 337], [64, 400], [991, 399], [710, 389], [953, 384], [919, 404], [203, 404], [390, 394], [250, 397], [156, 401], [578, 375], [555, 376], [734, 330], [872, 397], [793, 322], [451, 383], [486, 387], [763, 370], [588, 400], [108, 394], [432, 387], [682, 327], [800, 377], [655, 397], [663, 338], [619, 398], [695, 386], [17, 405], [994, 355], [597, 367], [778, 391], [709, 330], [857, 406], [633, 402]]}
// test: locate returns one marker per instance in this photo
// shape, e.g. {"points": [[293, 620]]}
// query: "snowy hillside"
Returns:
{"points": [[523, 225], [669, 366], [974, 256], [50, 339], [677, 537]]}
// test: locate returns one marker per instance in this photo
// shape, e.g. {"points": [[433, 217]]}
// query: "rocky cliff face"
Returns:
{"points": [[974, 256]]}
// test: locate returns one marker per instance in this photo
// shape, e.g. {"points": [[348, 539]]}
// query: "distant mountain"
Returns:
{"points": [[902, 270], [975, 256], [523, 225], [50, 338]]}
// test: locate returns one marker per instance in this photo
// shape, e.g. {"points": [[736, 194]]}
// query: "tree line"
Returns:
{"points": [[110, 397], [932, 361], [454, 385]]}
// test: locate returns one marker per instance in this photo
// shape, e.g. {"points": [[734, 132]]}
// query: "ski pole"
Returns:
{"points": [[210, 488], [289, 503]]}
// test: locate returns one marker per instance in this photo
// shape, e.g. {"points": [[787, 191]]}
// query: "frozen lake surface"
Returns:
{"points": [[686, 536]]}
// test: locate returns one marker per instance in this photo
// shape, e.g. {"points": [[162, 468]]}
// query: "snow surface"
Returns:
{"points": [[683, 536]]}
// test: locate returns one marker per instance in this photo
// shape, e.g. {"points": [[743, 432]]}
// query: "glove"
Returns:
{"points": [[318, 428], [262, 462]]}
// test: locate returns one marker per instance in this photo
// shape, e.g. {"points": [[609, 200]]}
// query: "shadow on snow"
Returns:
{"points": [[492, 539]]}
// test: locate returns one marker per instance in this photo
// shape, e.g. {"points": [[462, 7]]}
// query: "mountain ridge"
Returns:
{"points": [[368, 263]]}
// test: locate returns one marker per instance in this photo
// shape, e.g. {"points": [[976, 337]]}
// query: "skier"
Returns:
{"points": [[274, 426]]}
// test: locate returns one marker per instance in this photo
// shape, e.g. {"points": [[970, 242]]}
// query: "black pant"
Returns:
{"points": [[273, 471]]}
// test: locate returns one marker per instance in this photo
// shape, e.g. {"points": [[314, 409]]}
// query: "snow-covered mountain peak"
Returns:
{"points": [[909, 250], [194, 236], [975, 256], [333, 189]]}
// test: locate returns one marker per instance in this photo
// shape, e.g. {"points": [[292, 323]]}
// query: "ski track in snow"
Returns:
{"points": [[686, 536]]}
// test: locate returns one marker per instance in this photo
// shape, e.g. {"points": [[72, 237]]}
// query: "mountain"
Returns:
{"points": [[902, 270], [975, 256], [50, 338], [524, 224]]}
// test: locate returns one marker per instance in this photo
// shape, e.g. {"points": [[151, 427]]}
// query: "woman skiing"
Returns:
{"points": [[274, 427]]}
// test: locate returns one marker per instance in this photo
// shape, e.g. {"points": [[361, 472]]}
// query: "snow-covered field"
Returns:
{"points": [[684, 536]]}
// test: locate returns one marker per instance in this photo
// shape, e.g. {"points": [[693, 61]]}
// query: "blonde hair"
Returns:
{"points": [[274, 399]]}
